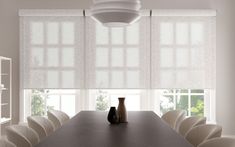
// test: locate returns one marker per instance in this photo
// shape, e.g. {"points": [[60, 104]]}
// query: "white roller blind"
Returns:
{"points": [[170, 49], [183, 49], [52, 49], [118, 57]]}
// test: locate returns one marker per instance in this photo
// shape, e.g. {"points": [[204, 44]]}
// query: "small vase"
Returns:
{"points": [[112, 115], [122, 114]]}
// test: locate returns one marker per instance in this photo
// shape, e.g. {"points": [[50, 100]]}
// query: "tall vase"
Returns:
{"points": [[122, 110], [113, 116]]}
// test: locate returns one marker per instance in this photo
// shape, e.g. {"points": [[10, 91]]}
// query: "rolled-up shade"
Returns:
{"points": [[184, 12]]}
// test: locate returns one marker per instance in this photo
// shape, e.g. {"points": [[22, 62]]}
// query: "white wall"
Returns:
{"points": [[225, 66], [9, 44]]}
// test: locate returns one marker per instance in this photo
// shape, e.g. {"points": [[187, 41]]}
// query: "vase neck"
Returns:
{"points": [[121, 100]]}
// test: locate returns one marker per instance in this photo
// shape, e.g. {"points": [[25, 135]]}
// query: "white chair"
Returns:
{"points": [[202, 133], [174, 118], [58, 118], [41, 125], [6, 143], [189, 123], [219, 142], [22, 136]]}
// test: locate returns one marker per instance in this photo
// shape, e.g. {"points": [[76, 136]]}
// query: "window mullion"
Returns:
{"points": [[174, 99], [125, 68], [109, 58], [189, 102], [60, 53], [45, 48]]}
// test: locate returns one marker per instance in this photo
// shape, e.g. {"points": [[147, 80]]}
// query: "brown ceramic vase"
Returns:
{"points": [[122, 110]]}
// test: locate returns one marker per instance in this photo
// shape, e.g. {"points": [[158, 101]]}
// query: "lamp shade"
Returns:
{"points": [[116, 13]]}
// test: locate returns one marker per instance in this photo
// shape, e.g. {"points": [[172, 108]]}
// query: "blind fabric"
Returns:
{"points": [[63, 49], [52, 50], [183, 52], [118, 57]]}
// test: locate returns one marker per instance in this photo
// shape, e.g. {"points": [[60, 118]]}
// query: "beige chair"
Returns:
{"points": [[219, 142], [202, 133], [189, 123], [174, 118], [41, 125], [22, 136], [58, 118], [6, 143]]}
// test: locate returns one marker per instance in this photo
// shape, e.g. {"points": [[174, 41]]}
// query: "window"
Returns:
{"points": [[43, 100], [108, 98], [186, 99], [162, 62]]}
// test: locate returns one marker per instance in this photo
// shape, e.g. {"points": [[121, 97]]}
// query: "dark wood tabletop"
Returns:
{"points": [[91, 129]]}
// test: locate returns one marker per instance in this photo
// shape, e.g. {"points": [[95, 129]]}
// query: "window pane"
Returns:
{"points": [[102, 57], [38, 103], [197, 105], [68, 79], [166, 78], [166, 103], [117, 79], [182, 102], [132, 34], [53, 57], [166, 33], [37, 76], [37, 58], [167, 57], [182, 77], [197, 76], [53, 102], [102, 101], [167, 91], [68, 57], [37, 33], [62, 91], [133, 79], [117, 35], [181, 91], [132, 101], [102, 34], [197, 57], [117, 57], [68, 33], [197, 91], [132, 57], [182, 57], [52, 33], [52, 79], [197, 33], [182, 33], [68, 104], [102, 79]]}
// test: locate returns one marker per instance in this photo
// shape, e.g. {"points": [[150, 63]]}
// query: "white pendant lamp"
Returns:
{"points": [[116, 13]]}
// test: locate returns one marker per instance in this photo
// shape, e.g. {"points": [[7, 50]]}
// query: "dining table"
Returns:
{"points": [[91, 129]]}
